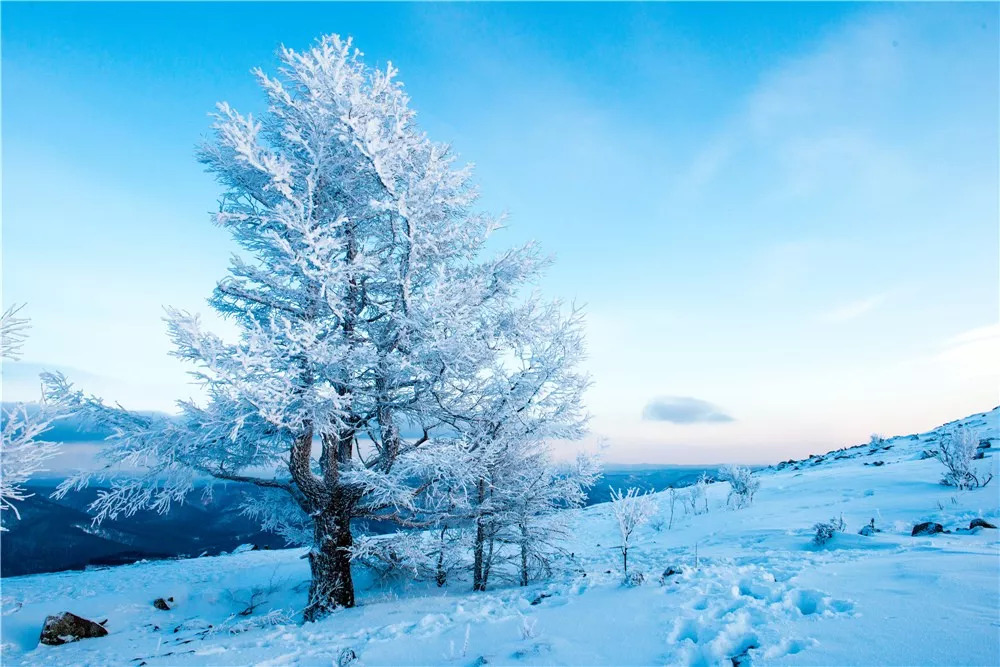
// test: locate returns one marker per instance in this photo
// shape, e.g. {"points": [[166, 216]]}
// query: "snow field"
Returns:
{"points": [[760, 591]]}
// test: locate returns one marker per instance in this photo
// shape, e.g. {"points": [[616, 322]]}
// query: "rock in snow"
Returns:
{"points": [[981, 523], [66, 627], [927, 528]]}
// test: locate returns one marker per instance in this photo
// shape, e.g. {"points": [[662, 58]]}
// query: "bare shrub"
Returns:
{"points": [[957, 452], [743, 485]]}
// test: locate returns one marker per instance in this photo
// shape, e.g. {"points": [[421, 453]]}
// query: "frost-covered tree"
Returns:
{"points": [[359, 293], [542, 492], [957, 452], [23, 452], [743, 485], [631, 509], [526, 392]]}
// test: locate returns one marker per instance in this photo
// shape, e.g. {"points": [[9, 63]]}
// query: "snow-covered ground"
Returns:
{"points": [[759, 587]]}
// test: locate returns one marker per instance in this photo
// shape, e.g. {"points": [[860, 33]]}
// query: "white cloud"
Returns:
{"points": [[974, 353]]}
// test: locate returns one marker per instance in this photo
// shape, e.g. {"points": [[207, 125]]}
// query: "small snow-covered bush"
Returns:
{"points": [[528, 626], [347, 657], [957, 452], [272, 618], [631, 509], [825, 530], [695, 499], [743, 484], [876, 443], [634, 578]]}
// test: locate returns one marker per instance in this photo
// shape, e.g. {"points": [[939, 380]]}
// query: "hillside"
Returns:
{"points": [[752, 588], [205, 524]]}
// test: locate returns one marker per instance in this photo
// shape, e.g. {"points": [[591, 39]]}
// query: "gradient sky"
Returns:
{"points": [[783, 219]]}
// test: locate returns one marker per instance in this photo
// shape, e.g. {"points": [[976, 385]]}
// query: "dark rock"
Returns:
{"points": [[984, 444], [161, 604], [541, 596], [927, 528], [743, 659], [980, 455], [66, 627], [868, 531], [981, 523], [671, 571], [928, 454]]}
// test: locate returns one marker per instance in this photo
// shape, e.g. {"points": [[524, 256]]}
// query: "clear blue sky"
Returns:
{"points": [[786, 212]]}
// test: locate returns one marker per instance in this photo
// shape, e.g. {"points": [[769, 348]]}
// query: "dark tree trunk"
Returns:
{"points": [[478, 568], [441, 577], [330, 562], [487, 563], [478, 557], [524, 556]]}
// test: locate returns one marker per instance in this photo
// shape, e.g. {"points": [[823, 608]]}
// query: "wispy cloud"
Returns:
{"points": [[854, 309], [683, 410], [974, 353]]}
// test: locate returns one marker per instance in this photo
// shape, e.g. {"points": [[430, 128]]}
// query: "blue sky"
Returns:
{"points": [[782, 218]]}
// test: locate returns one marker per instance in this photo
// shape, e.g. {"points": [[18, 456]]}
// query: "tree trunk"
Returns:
{"points": [[478, 574], [478, 581], [330, 562], [487, 563], [524, 556], [441, 577]]}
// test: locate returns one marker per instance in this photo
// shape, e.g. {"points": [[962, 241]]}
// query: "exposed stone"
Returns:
{"points": [[66, 627], [927, 528], [981, 523], [162, 604]]}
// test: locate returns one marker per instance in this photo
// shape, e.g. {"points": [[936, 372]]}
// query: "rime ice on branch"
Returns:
{"points": [[22, 451]]}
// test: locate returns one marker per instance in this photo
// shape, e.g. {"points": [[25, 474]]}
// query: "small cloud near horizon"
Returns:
{"points": [[683, 410]]}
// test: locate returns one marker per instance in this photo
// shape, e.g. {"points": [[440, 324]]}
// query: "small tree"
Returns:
{"points": [[743, 485], [876, 443], [696, 499], [631, 509], [957, 452]]}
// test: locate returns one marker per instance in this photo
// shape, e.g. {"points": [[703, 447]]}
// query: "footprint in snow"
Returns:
{"points": [[741, 612]]}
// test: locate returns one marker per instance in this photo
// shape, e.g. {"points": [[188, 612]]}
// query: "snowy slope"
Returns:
{"points": [[760, 587]]}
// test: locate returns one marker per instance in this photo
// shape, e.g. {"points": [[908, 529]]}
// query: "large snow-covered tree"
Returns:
{"points": [[359, 294]]}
